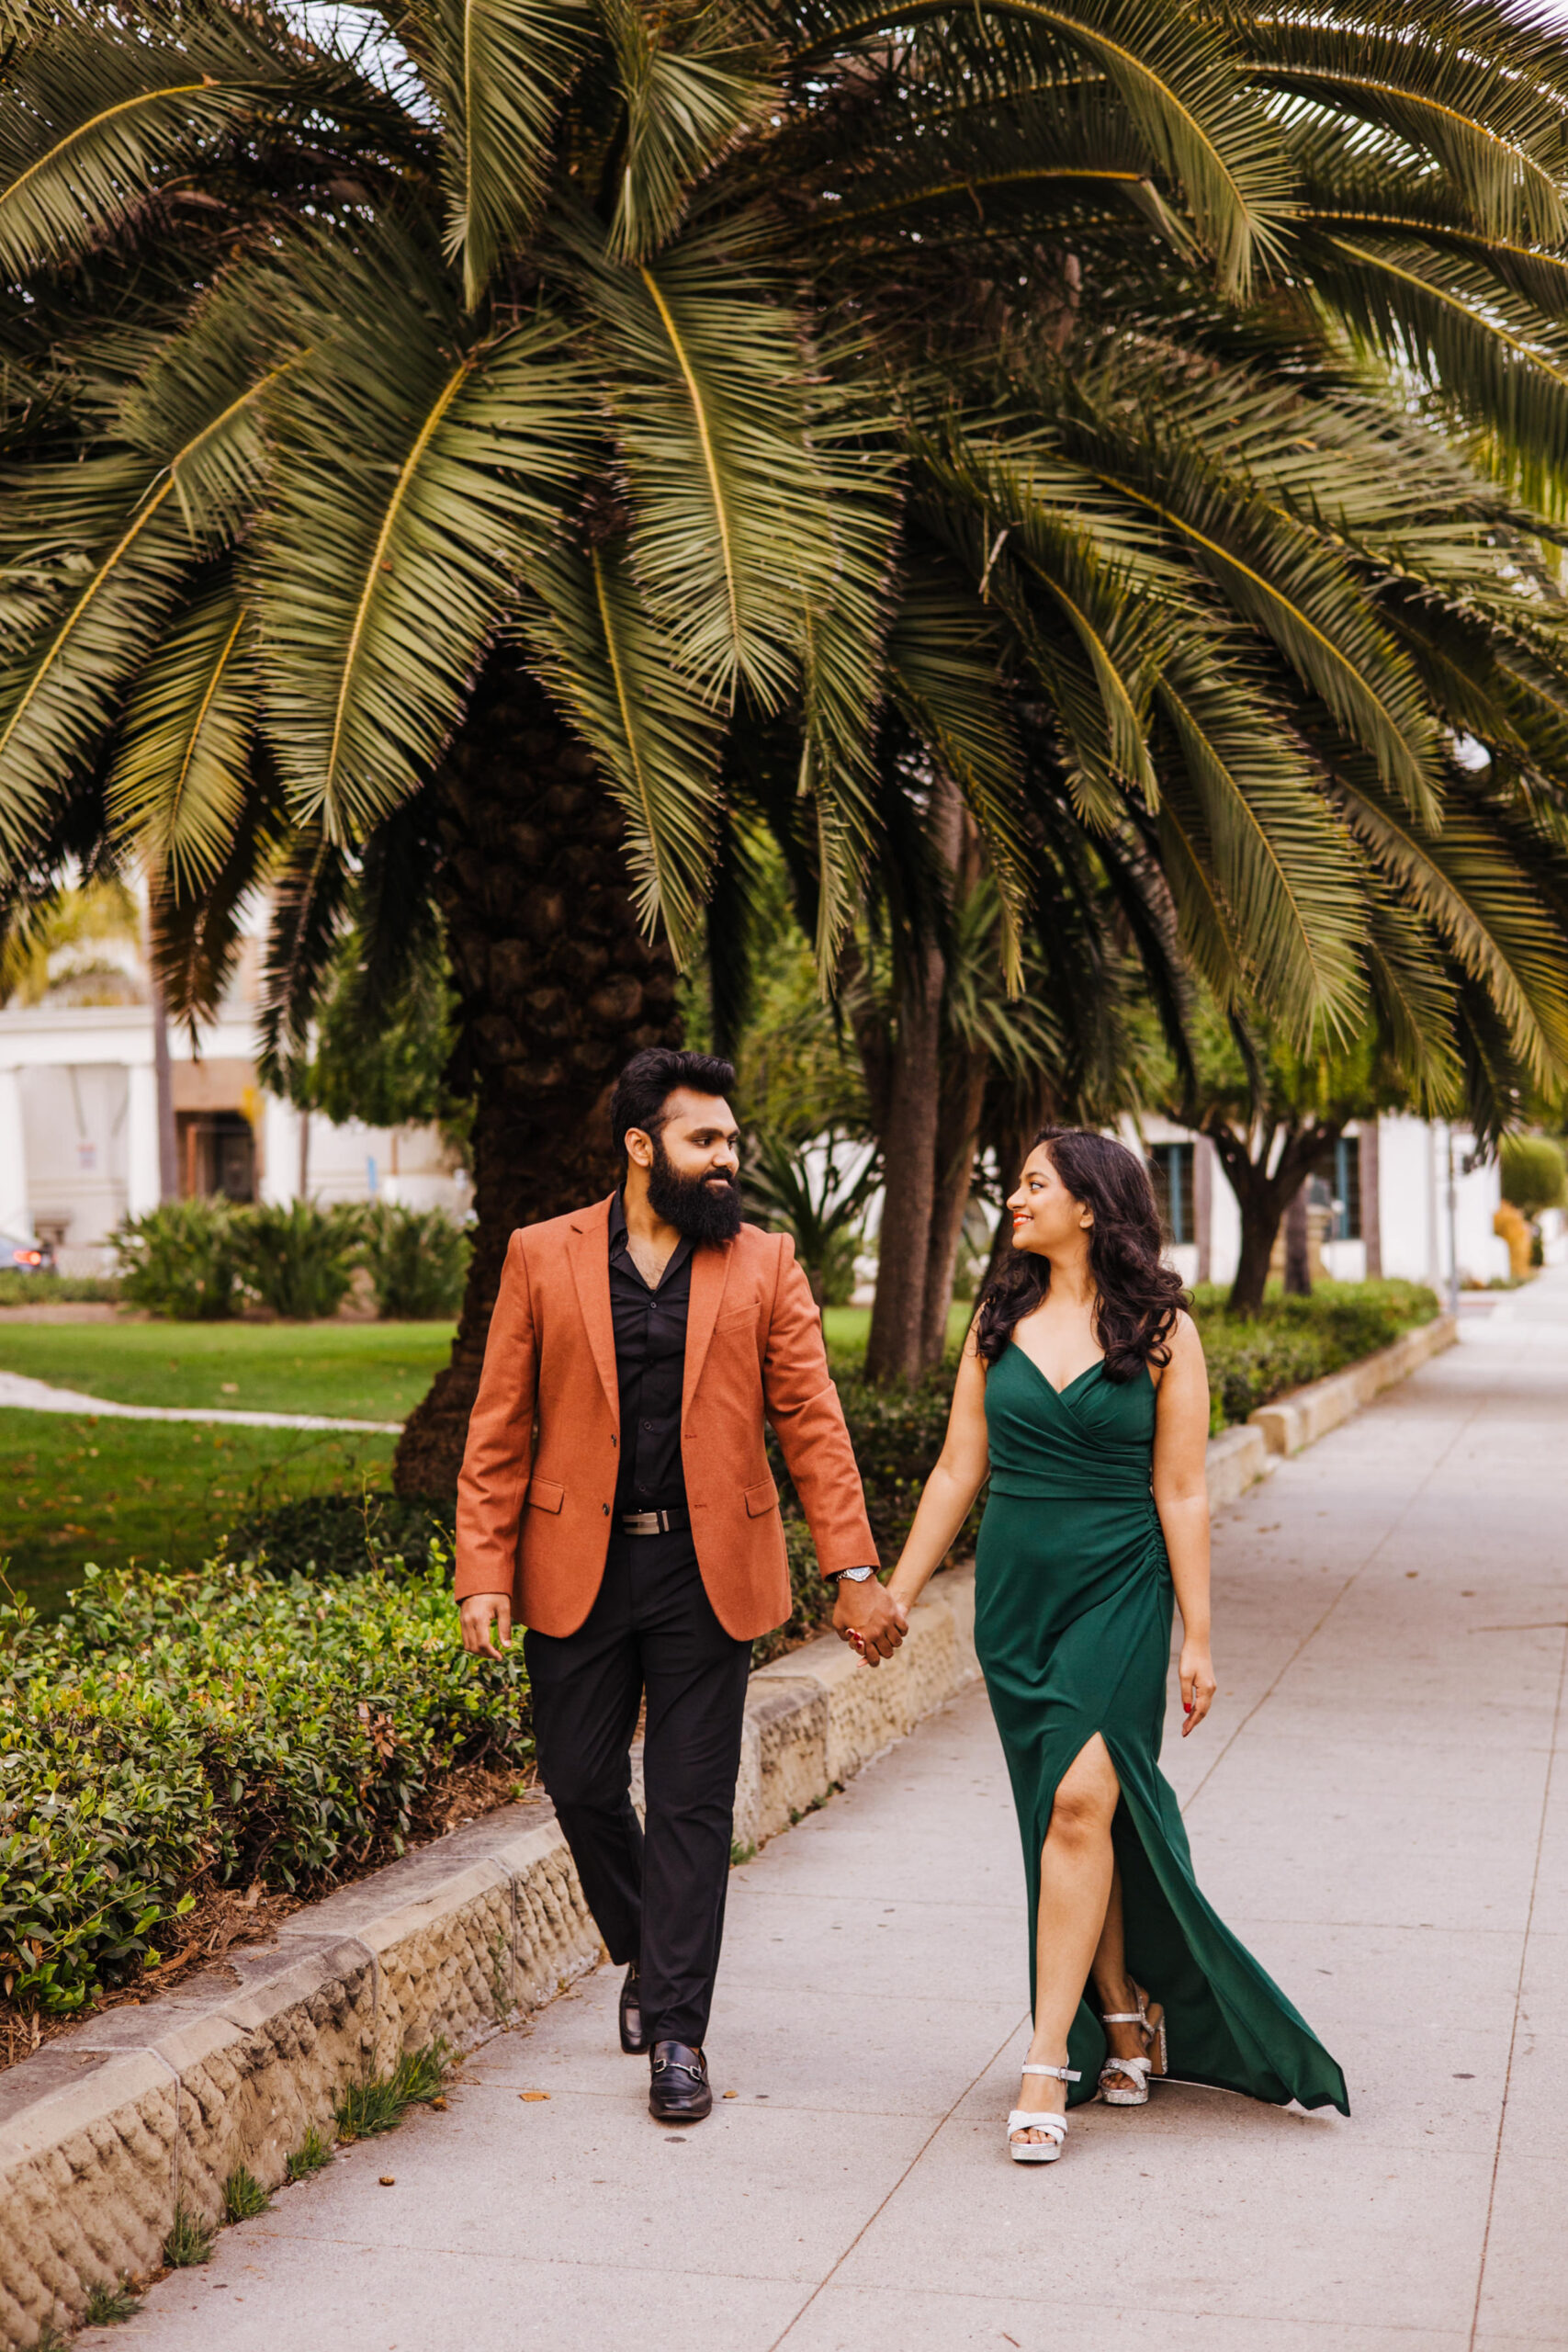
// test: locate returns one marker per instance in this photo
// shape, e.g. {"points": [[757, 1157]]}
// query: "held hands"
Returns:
{"points": [[477, 1612], [870, 1619], [1197, 1671]]}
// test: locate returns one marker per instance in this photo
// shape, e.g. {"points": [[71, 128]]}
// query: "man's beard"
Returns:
{"points": [[700, 1208]]}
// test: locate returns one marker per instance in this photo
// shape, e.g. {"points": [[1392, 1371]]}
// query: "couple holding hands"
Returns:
{"points": [[647, 1339]]}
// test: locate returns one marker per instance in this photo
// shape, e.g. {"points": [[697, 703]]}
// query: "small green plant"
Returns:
{"points": [[190, 2241], [739, 1855], [108, 2306], [313, 2151], [379, 2102], [180, 1260], [416, 1260], [243, 2196], [50, 2339], [297, 1260]]}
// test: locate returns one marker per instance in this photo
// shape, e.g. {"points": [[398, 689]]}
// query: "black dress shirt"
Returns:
{"points": [[650, 1370]]}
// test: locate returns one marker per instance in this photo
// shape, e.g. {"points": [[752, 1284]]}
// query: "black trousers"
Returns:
{"points": [[658, 1897]]}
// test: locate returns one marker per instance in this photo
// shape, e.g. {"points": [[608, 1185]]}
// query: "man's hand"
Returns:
{"points": [[866, 1615], [477, 1613]]}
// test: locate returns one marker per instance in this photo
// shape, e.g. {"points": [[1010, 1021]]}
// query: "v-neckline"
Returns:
{"points": [[1045, 1376]]}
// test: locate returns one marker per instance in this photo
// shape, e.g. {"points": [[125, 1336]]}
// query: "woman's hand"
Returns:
{"points": [[1196, 1672]]}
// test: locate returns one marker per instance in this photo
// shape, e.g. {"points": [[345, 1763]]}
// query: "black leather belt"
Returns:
{"points": [[655, 1523]]}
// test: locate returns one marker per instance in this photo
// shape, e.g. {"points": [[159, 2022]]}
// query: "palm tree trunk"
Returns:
{"points": [[908, 1154], [557, 988], [962, 1097], [1298, 1256]]}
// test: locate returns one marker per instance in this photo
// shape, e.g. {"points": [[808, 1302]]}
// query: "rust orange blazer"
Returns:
{"points": [[533, 1519]]}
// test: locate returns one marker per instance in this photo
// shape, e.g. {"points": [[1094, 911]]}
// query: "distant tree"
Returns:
{"points": [[1533, 1173], [379, 1054], [1271, 1113]]}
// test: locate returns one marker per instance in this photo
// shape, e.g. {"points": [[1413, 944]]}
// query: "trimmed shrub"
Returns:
{"points": [[343, 1535], [417, 1261], [180, 1260], [1534, 1173], [174, 1732], [56, 1290], [298, 1260], [1252, 1360]]}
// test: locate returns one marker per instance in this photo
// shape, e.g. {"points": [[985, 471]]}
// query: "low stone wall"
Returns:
{"points": [[153, 2105], [1307, 1414]]}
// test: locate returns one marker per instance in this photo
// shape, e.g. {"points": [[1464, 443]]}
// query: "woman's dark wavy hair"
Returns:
{"points": [[1139, 1296]]}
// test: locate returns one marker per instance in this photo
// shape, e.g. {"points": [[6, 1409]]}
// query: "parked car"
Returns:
{"points": [[20, 1256]]}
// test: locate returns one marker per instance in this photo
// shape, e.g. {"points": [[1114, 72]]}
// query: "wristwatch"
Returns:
{"points": [[850, 1576]]}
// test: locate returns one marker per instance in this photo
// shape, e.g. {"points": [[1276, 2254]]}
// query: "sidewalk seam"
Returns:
{"points": [[1518, 1996]]}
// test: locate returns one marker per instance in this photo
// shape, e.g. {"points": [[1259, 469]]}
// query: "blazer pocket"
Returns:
{"points": [[545, 1495], [762, 1499], [740, 1318]]}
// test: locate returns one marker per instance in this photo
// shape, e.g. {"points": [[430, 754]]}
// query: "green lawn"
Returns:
{"points": [[112, 1491], [845, 1328], [362, 1372]]}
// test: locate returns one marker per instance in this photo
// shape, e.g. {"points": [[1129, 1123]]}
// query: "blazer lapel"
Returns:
{"points": [[587, 1252], [710, 1270]]}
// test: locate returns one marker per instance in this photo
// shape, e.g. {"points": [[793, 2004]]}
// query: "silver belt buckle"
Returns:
{"points": [[643, 1523]]}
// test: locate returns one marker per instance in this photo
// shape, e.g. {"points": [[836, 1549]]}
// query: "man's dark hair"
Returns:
{"points": [[648, 1080]]}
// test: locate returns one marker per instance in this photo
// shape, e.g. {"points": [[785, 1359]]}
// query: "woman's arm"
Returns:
{"points": [[1181, 1499], [948, 1493]]}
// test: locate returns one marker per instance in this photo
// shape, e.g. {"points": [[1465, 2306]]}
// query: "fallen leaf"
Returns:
{"points": [[439, 2105], [532, 2096], [731, 2094], [388, 2180]]}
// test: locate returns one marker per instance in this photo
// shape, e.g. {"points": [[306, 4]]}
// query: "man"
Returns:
{"points": [[639, 1539]]}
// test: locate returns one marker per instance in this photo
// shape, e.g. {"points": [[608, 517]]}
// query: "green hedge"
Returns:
{"points": [[55, 1290], [201, 1261], [1253, 1358], [173, 1731]]}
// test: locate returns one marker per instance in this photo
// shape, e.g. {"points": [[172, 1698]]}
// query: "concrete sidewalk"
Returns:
{"points": [[1371, 1805]]}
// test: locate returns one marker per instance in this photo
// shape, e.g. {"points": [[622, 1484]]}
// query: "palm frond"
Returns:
{"points": [[1176, 75], [177, 787], [500, 71], [381, 580], [655, 737], [690, 93]]}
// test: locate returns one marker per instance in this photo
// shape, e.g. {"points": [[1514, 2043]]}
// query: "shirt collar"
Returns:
{"points": [[682, 1251]]}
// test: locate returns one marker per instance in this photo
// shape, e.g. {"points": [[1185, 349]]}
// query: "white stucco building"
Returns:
{"points": [[1383, 1190], [79, 1127]]}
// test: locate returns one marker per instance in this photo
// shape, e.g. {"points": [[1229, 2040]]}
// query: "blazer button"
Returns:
{"points": [[605, 1508]]}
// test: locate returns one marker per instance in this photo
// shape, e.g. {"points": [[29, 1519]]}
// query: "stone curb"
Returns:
{"points": [[144, 2107], [1309, 1413]]}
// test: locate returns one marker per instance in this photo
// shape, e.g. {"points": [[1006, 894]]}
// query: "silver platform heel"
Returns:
{"points": [[1135, 2072], [1040, 2151]]}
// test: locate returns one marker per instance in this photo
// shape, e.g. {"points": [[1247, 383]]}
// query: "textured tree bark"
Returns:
{"points": [[1263, 1195], [908, 1153], [1371, 1219], [958, 1132], [557, 989], [1298, 1255]]}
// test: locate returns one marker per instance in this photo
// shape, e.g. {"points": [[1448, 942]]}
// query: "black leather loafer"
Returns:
{"points": [[679, 2091], [631, 2014]]}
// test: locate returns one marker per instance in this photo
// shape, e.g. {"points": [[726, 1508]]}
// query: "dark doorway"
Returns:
{"points": [[218, 1154]]}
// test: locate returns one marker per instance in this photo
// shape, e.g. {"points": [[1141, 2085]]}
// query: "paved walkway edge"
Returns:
{"points": [[1307, 1414], [144, 2109]]}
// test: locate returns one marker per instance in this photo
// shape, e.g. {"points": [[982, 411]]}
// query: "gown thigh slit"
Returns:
{"points": [[1073, 1616]]}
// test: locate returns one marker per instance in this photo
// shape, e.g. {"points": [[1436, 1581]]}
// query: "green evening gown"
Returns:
{"points": [[1072, 1603]]}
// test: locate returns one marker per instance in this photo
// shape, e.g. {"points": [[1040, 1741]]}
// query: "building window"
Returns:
{"points": [[217, 1155], [1170, 1168], [1335, 1185]]}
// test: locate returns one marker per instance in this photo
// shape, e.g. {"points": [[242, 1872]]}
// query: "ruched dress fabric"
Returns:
{"points": [[1073, 1603]]}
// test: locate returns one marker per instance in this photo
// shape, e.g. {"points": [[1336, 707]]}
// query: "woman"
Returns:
{"points": [[1083, 1394]]}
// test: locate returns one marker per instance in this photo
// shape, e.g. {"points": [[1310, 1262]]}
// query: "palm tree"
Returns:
{"points": [[477, 481]]}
